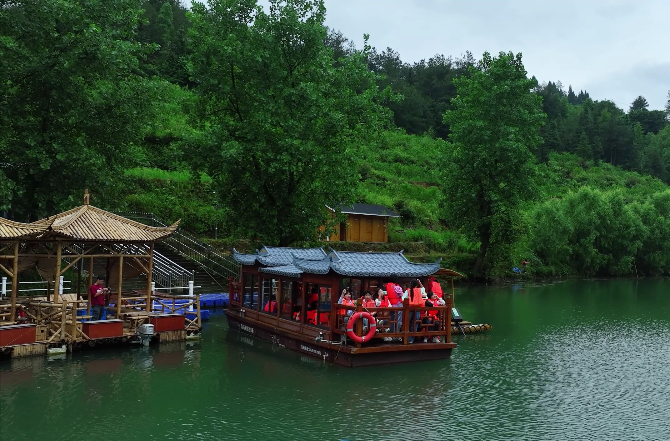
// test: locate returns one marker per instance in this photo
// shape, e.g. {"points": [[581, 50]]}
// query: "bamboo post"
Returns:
{"points": [[149, 286], [80, 267], [90, 283], [74, 320], [15, 280], [62, 320], [120, 288], [59, 250]]}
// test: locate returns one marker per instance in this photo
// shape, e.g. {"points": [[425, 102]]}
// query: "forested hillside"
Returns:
{"points": [[250, 121]]}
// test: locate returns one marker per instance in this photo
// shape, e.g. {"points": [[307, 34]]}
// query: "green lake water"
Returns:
{"points": [[578, 360]]}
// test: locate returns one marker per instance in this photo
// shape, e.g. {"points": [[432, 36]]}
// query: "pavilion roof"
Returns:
{"points": [[89, 223], [14, 230]]}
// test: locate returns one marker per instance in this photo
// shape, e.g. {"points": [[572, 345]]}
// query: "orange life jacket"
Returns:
{"points": [[346, 302], [390, 292], [436, 288], [370, 304], [415, 298]]}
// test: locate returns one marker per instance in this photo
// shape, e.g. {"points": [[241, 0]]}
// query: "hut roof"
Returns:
{"points": [[13, 230], [88, 223], [367, 210]]}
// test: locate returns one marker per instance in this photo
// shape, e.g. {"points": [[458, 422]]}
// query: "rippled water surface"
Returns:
{"points": [[586, 360]]}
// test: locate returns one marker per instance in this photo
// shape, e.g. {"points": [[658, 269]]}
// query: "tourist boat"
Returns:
{"points": [[289, 297]]}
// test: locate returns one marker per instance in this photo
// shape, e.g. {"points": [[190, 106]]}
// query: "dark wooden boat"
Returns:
{"points": [[289, 297]]}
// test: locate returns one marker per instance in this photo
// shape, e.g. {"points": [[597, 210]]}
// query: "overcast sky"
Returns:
{"points": [[613, 49]]}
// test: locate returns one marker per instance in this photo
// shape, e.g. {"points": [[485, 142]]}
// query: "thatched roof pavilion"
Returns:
{"points": [[54, 244]]}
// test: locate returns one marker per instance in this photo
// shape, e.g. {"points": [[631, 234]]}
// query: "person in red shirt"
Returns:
{"points": [[97, 297]]}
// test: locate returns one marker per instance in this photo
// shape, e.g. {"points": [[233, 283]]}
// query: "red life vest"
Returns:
{"points": [[390, 292], [370, 304], [436, 288], [270, 306], [384, 303], [346, 302], [415, 298]]}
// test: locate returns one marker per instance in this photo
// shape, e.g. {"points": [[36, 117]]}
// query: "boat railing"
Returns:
{"points": [[397, 322]]}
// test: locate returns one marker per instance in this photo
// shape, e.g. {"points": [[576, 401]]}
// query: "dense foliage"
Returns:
{"points": [[248, 120], [279, 118], [490, 170]]}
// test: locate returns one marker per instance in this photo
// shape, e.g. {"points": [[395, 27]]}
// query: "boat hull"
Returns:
{"points": [[335, 353]]}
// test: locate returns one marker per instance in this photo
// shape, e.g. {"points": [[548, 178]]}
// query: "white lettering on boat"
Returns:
{"points": [[246, 328], [311, 350]]}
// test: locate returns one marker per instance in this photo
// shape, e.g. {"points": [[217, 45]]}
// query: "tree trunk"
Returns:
{"points": [[485, 239]]}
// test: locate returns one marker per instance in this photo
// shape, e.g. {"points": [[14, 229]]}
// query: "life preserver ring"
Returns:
{"points": [[371, 322]]}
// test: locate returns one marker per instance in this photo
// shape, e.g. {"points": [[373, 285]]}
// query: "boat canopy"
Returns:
{"points": [[293, 262]]}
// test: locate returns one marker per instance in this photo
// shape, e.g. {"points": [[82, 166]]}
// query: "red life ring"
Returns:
{"points": [[371, 322]]}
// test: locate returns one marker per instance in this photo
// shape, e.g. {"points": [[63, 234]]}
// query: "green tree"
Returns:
{"points": [[281, 119], [72, 107], [494, 130]]}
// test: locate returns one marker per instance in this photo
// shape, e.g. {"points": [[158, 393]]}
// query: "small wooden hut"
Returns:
{"points": [[364, 223]]}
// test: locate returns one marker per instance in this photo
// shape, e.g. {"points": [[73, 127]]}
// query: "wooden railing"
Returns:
{"points": [[387, 319]]}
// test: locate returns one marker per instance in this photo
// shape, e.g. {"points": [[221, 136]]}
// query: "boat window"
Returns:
{"points": [[250, 291], [289, 299], [324, 306], [355, 289], [318, 305], [352, 285], [269, 296]]}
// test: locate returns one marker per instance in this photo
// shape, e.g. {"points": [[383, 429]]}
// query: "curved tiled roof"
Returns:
{"points": [[90, 223], [292, 262], [284, 270], [357, 264], [278, 256]]}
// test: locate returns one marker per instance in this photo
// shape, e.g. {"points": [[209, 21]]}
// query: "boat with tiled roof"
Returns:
{"points": [[291, 297]]}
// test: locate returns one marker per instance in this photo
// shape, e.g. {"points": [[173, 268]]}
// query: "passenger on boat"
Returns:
{"points": [[382, 300], [368, 303], [431, 317], [394, 293], [434, 287], [415, 300], [345, 299]]}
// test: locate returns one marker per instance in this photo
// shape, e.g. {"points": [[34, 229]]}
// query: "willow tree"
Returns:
{"points": [[490, 170], [279, 116]]}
